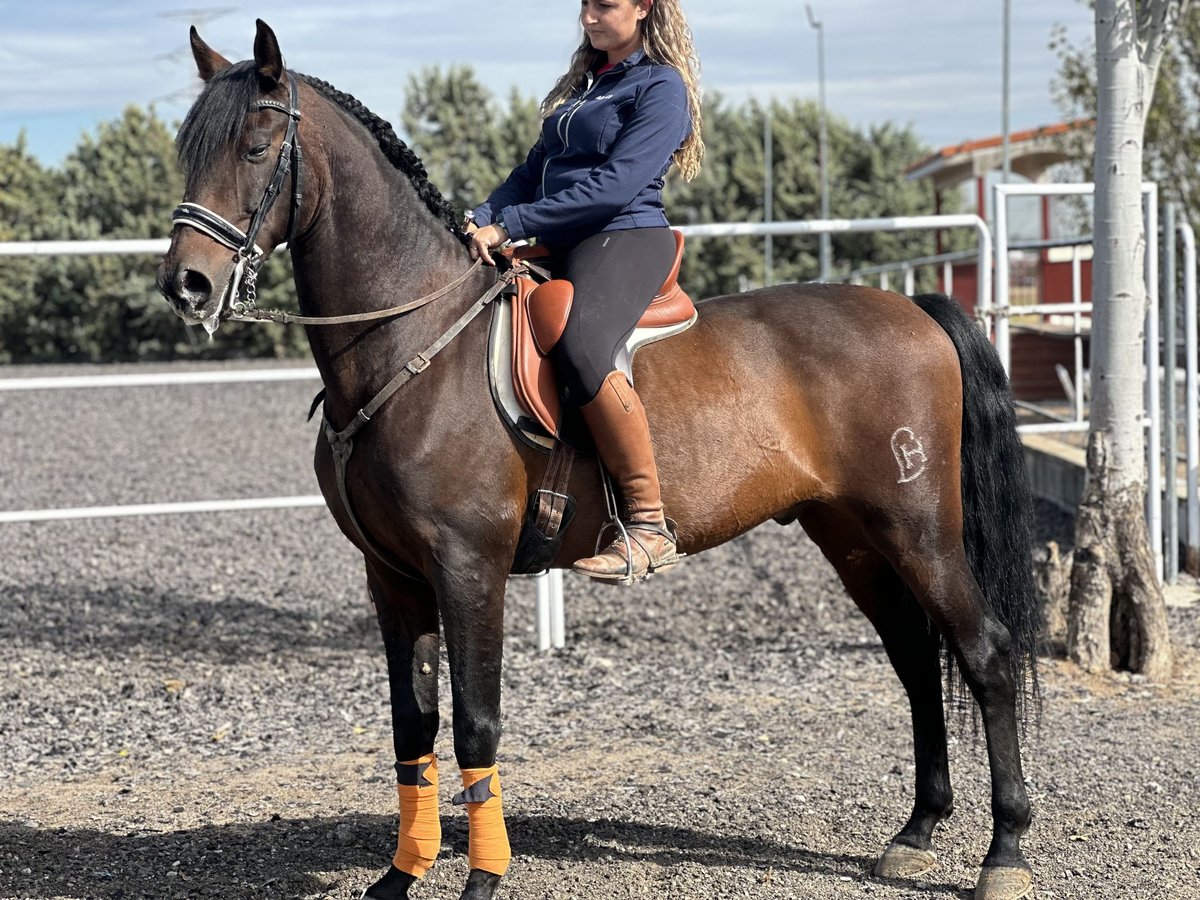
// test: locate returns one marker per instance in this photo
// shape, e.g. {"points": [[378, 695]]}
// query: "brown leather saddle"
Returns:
{"points": [[534, 321]]}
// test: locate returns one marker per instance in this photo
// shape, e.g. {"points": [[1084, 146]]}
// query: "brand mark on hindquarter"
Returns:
{"points": [[909, 453]]}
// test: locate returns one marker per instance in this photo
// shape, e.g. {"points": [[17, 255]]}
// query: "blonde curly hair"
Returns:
{"points": [[666, 39]]}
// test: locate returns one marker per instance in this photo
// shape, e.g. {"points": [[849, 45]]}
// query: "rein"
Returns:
{"points": [[249, 313]]}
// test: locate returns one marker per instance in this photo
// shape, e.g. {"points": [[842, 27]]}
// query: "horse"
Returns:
{"points": [[882, 424]]}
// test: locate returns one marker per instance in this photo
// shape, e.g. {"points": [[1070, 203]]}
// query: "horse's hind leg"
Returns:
{"points": [[408, 621], [929, 556], [912, 646]]}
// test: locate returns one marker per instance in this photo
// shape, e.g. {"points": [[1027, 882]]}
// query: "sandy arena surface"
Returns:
{"points": [[196, 706]]}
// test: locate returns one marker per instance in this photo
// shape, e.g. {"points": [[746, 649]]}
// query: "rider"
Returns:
{"points": [[591, 191]]}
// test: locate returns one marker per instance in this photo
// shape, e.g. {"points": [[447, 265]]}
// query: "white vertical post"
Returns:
{"points": [[543, 610], [983, 275], [558, 619], [1154, 518], [948, 278], [1169, 305], [883, 281], [910, 281], [1000, 204], [1076, 300], [1191, 402]]}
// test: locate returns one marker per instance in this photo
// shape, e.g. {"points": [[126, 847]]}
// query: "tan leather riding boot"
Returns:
{"points": [[617, 421]]}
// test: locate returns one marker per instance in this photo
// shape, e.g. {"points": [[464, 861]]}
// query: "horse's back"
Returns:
{"points": [[795, 393]]}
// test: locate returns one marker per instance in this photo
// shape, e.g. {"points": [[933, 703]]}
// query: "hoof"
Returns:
{"points": [[903, 861], [393, 885], [481, 885], [1003, 883]]}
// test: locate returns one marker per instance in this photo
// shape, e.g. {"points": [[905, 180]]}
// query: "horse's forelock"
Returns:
{"points": [[217, 118]]}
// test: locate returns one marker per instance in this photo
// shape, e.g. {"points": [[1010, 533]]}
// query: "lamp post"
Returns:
{"points": [[822, 141], [1006, 163]]}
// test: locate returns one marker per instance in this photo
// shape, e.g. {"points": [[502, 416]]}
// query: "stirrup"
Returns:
{"points": [[626, 534], [668, 529]]}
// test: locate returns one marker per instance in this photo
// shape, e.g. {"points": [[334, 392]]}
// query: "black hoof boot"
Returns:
{"points": [[392, 886], [481, 885]]}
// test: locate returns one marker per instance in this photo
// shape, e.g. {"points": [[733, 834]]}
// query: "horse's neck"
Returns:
{"points": [[374, 245]]}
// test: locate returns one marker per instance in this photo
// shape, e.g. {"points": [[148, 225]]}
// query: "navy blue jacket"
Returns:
{"points": [[601, 159]]}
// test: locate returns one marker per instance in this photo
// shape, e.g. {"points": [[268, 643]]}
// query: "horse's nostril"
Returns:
{"points": [[197, 284]]}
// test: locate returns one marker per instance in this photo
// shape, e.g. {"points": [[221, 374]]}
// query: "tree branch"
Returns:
{"points": [[1156, 20]]}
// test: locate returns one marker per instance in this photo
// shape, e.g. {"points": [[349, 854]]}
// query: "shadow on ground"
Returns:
{"points": [[230, 860], [111, 620]]}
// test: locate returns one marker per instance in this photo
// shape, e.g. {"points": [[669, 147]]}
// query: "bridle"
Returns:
{"points": [[249, 255]]}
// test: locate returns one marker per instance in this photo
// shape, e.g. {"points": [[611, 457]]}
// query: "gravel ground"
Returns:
{"points": [[196, 706]]}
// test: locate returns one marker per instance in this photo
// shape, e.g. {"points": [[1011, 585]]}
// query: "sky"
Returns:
{"points": [[67, 65]]}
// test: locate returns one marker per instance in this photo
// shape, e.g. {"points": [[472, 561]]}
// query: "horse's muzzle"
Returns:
{"points": [[190, 292]]}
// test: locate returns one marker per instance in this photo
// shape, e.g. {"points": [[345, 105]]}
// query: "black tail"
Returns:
{"points": [[997, 504]]}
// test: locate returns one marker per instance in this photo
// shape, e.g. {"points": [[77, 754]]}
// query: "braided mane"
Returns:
{"points": [[398, 152], [219, 114]]}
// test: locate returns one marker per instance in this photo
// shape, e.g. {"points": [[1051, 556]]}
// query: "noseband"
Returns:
{"points": [[249, 255]]}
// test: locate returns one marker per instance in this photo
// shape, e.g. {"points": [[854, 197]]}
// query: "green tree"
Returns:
{"points": [[30, 209], [123, 180], [1117, 612], [1172, 138], [866, 180], [467, 142]]}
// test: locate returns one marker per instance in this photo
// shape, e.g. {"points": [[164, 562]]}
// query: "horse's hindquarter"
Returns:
{"points": [[833, 393]]}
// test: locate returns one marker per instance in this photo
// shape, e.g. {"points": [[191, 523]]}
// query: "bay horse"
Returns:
{"points": [[882, 424]]}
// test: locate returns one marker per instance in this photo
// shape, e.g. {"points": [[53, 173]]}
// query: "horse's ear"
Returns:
{"points": [[268, 60], [208, 61]]}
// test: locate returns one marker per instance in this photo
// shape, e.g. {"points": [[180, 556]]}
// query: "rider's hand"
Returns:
{"points": [[486, 239]]}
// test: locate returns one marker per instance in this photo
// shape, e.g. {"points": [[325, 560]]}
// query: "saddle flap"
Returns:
{"points": [[533, 377], [548, 306]]}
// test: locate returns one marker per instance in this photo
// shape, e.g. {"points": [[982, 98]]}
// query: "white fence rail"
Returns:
{"points": [[153, 379]]}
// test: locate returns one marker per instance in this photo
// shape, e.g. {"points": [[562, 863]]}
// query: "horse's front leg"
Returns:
{"points": [[470, 591], [408, 619]]}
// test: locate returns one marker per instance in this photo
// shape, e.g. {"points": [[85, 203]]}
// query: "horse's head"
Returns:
{"points": [[239, 146]]}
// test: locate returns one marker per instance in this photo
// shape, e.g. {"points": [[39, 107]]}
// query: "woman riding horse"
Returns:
{"points": [[882, 425], [591, 190]]}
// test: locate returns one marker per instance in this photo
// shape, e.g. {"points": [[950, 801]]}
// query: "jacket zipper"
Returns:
{"points": [[564, 134]]}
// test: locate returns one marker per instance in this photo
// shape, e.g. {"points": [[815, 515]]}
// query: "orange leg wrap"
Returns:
{"points": [[420, 836], [488, 844]]}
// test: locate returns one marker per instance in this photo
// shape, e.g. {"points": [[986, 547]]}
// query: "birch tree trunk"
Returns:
{"points": [[1117, 615]]}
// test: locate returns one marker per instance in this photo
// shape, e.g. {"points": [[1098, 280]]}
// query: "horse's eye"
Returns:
{"points": [[258, 152]]}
